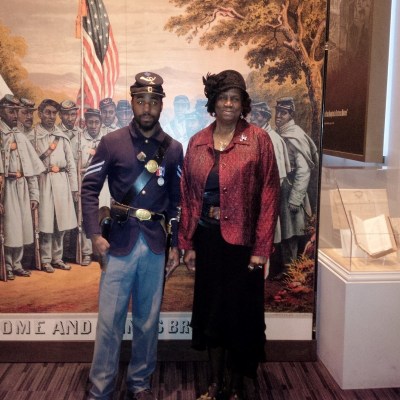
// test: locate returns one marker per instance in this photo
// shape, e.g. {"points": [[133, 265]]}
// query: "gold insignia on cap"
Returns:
{"points": [[151, 166], [150, 80]]}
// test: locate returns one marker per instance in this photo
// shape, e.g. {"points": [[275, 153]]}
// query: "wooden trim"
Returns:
{"points": [[171, 350]]}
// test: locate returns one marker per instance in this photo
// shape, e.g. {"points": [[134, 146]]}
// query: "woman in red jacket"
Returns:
{"points": [[229, 189]]}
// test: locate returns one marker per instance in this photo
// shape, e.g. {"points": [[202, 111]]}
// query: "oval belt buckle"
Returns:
{"points": [[55, 168], [151, 166], [142, 214]]}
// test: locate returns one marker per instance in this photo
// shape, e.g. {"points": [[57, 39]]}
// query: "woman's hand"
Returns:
{"points": [[190, 260], [257, 262]]}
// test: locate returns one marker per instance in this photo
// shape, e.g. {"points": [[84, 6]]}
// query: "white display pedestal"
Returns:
{"points": [[358, 325]]}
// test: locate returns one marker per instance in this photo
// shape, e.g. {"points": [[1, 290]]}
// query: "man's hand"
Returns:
{"points": [[75, 196], [34, 204], [100, 245], [190, 260], [172, 262]]}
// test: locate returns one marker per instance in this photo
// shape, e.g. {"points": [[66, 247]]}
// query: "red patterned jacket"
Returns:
{"points": [[249, 188]]}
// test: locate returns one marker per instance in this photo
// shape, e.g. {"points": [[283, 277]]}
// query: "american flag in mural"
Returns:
{"points": [[100, 53]]}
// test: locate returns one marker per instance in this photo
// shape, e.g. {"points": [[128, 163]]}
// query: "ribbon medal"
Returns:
{"points": [[160, 173]]}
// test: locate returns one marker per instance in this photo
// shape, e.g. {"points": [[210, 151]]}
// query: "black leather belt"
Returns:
{"points": [[55, 169], [120, 213], [15, 175], [144, 215]]}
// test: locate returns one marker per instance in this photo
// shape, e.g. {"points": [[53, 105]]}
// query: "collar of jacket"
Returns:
{"points": [[158, 135], [241, 126], [56, 131]]}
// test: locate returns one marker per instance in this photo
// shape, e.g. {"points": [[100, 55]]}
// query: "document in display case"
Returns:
{"points": [[374, 235], [359, 218]]}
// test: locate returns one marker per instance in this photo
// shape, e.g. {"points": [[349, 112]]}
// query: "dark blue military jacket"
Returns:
{"points": [[119, 157]]}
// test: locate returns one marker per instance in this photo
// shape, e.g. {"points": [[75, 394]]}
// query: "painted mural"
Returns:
{"points": [[49, 54]]}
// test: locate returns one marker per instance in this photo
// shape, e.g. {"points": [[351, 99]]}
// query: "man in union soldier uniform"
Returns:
{"points": [[89, 140], [58, 184], [21, 192], [108, 111], [25, 117], [68, 115], [124, 113], [143, 166]]}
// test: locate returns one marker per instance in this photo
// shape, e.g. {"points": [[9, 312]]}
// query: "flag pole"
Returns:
{"points": [[82, 12], [82, 72], [79, 34]]}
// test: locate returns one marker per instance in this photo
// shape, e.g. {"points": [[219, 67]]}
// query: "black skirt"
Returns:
{"points": [[228, 304]]}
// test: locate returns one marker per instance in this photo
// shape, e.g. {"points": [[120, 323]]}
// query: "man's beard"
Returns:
{"points": [[148, 126]]}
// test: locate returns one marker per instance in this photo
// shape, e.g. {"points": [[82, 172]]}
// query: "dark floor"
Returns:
{"points": [[178, 381]]}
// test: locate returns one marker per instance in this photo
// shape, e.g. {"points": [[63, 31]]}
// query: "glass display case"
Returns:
{"points": [[359, 225]]}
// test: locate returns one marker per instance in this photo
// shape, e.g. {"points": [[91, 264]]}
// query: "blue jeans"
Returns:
{"points": [[140, 274]]}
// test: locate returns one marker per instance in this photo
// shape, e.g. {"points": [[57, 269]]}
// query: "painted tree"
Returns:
{"points": [[286, 35], [12, 50]]}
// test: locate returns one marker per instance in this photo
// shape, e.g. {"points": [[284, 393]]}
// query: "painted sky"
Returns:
{"points": [[49, 30]]}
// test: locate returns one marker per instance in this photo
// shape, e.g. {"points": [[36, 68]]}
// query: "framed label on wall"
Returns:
{"points": [[355, 98]]}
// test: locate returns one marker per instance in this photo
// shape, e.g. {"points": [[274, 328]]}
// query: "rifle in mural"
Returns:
{"points": [[79, 203], [3, 268], [35, 220]]}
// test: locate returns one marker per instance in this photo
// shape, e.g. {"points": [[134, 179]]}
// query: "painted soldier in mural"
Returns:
{"points": [[21, 191], [25, 117], [261, 115], [294, 204], [176, 126], [192, 123], [124, 113], [68, 115], [89, 141], [109, 119], [58, 184], [205, 118]]}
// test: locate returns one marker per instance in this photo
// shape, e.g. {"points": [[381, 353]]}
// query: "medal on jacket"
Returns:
{"points": [[151, 166], [160, 173], [141, 156]]}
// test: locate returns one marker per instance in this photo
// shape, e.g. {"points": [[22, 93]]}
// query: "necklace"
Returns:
{"points": [[223, 144]]}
